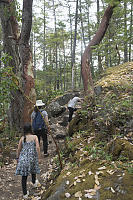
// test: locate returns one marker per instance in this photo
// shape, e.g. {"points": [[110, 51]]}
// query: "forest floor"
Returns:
{"points": [[10, 187], [11, 184]]}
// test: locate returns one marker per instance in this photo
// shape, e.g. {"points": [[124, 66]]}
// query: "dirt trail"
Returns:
{"points": [[10, 187], [10, 184]]}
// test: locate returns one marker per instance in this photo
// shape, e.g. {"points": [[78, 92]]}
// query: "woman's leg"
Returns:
{"points": [[71, 110], [37, 133], [45, 141], [24, 184], [33, 178]]}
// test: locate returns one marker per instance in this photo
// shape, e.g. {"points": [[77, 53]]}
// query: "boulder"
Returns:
{"points": [[54, 109], [120, 148], [65, 98], [64, 122]]}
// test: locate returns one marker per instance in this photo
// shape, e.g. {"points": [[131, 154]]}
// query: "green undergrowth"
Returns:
{"points": [[100, 143], [8, 146]]}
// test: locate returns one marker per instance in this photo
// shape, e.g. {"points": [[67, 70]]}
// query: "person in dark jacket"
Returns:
{"points": [[43, 132]]}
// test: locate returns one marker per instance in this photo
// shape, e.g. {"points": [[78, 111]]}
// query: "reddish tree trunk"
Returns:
{"points": [[85, 68], [10, 46], [26, 61], [22, 100]]}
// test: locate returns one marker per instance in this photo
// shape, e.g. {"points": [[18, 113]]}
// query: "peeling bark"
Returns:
{"points": [[17, 46], [26, 61], [85, 67], [10, 46]]}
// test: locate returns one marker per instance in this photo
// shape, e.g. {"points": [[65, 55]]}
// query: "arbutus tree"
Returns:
{"points": [[16, 45], [85, 66]]}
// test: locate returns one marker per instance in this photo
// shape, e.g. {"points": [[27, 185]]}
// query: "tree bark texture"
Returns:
{"points": [[26, 61], [131, 33], [85, 67], [74, 45], [125, 33], [10, 46], [17, 46]]}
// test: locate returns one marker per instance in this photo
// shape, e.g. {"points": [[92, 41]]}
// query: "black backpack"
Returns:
{"points": [[38, 122]]}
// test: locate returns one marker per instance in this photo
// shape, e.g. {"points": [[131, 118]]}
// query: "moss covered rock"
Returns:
{"points": [[121, 148]]}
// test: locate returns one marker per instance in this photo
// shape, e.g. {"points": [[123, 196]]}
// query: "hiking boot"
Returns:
{"points": [[46, 154], [26, 195]]}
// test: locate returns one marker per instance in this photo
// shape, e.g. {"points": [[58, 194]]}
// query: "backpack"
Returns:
{"points": [[38, 122]]}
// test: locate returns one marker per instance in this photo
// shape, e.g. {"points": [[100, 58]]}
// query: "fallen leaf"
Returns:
{"points": [[110, 172], [68, 173], [96, 180], [67, 182], [43, 188], [67, 195], [78, 180], [112, 190], [78, 194], [92, 192], [88, 196], [82, 171], [74, 183], [41, 192], [36, 198], [90, 173], [100, 168], [100, 172], [96, 187]]}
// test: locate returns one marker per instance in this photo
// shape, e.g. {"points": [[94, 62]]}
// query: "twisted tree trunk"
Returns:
{"points": [[26, 61], [85, 67]]}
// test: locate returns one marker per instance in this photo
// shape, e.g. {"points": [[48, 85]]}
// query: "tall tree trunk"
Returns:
{"points": [[74, 45], [56, 53], [131, 33], [81, 63], [26, 61], [86, 72], [34, 53], [10, 46], [81, 20], [44, 44], [89, 37], [44, 37], [125, 32], [60, 67], [98, 22], [21, 106], [64, 63], [71, 32]]}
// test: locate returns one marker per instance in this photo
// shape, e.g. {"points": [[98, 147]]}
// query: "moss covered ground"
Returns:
{"points": [[98, 155]]}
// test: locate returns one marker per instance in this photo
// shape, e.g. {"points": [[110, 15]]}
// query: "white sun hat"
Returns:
{"points": [[39, 103]]}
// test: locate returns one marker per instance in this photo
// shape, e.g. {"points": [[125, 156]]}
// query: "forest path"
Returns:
{"points": [[10, 187]]}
